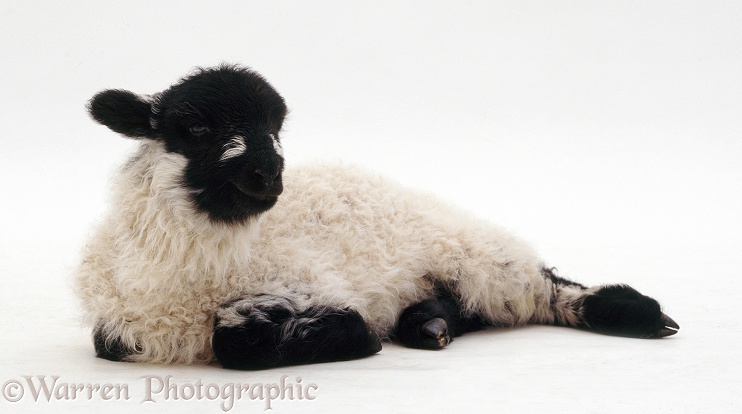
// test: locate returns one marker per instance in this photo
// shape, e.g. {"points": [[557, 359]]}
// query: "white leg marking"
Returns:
{"points": [[253, 309]]}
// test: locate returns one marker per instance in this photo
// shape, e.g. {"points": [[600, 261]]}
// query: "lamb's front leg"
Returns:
{"points": [[268, 331], [109, 347]]}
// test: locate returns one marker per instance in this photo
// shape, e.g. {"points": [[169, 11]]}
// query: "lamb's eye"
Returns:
{"points": [[198, 129]]}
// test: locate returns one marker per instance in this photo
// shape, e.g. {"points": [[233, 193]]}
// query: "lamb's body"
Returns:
{"points": [[338, 236], [197, 257]]}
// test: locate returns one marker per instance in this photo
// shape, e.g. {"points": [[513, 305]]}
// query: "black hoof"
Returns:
{"points": [[670, 327], [432, 323], [374, 344], [621, 310], [424, 326], [435, 334]]}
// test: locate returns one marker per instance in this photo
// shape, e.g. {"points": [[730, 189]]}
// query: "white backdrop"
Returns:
{"points": [[607, 135]]}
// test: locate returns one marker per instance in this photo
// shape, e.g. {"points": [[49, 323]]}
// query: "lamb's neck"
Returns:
{"points": [[164, 224]]}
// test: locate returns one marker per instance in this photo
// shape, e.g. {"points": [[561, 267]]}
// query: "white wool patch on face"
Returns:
{"points": [[277, 145], [234, 148], [153, 101], [148, 99]]}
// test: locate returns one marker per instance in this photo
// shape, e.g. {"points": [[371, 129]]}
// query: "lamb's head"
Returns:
{"points": [[225, 122]]}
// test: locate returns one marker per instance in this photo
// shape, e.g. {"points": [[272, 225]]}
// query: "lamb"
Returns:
{"points": [[206, 255]]}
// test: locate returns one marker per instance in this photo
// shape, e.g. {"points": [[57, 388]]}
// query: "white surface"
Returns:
{"points": [[608, 135]]}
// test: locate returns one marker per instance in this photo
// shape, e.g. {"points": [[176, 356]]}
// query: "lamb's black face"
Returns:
{"points": [[225, 121]]}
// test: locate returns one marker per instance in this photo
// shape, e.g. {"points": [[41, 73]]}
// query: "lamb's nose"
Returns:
{"points": [[266, 177], [268, 180]]}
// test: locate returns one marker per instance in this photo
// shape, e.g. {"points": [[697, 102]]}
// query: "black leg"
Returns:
{"points": [[621, 310], [112, 349], [269, 331], [432, 323]]}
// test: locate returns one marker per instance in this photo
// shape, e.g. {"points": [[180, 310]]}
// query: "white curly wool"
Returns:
{"points": [[156, 270]]}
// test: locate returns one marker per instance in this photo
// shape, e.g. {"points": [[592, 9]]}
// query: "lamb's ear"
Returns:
{"points": [[123, 111]]}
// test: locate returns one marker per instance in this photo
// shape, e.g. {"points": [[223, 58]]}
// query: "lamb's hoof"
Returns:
{"points": [[670, 327], [621, 310], [374, 345], [436, 334]]}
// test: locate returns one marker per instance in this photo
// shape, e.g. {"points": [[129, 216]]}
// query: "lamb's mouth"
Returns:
{"points": [[268, 195], [262, 197]]}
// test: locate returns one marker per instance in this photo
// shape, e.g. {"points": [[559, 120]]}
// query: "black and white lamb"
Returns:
{"points": [[212, 251]]}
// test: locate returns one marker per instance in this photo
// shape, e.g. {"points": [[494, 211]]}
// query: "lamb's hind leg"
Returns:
{"points": [[269, 331], [613, 309], [432, 323]]}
